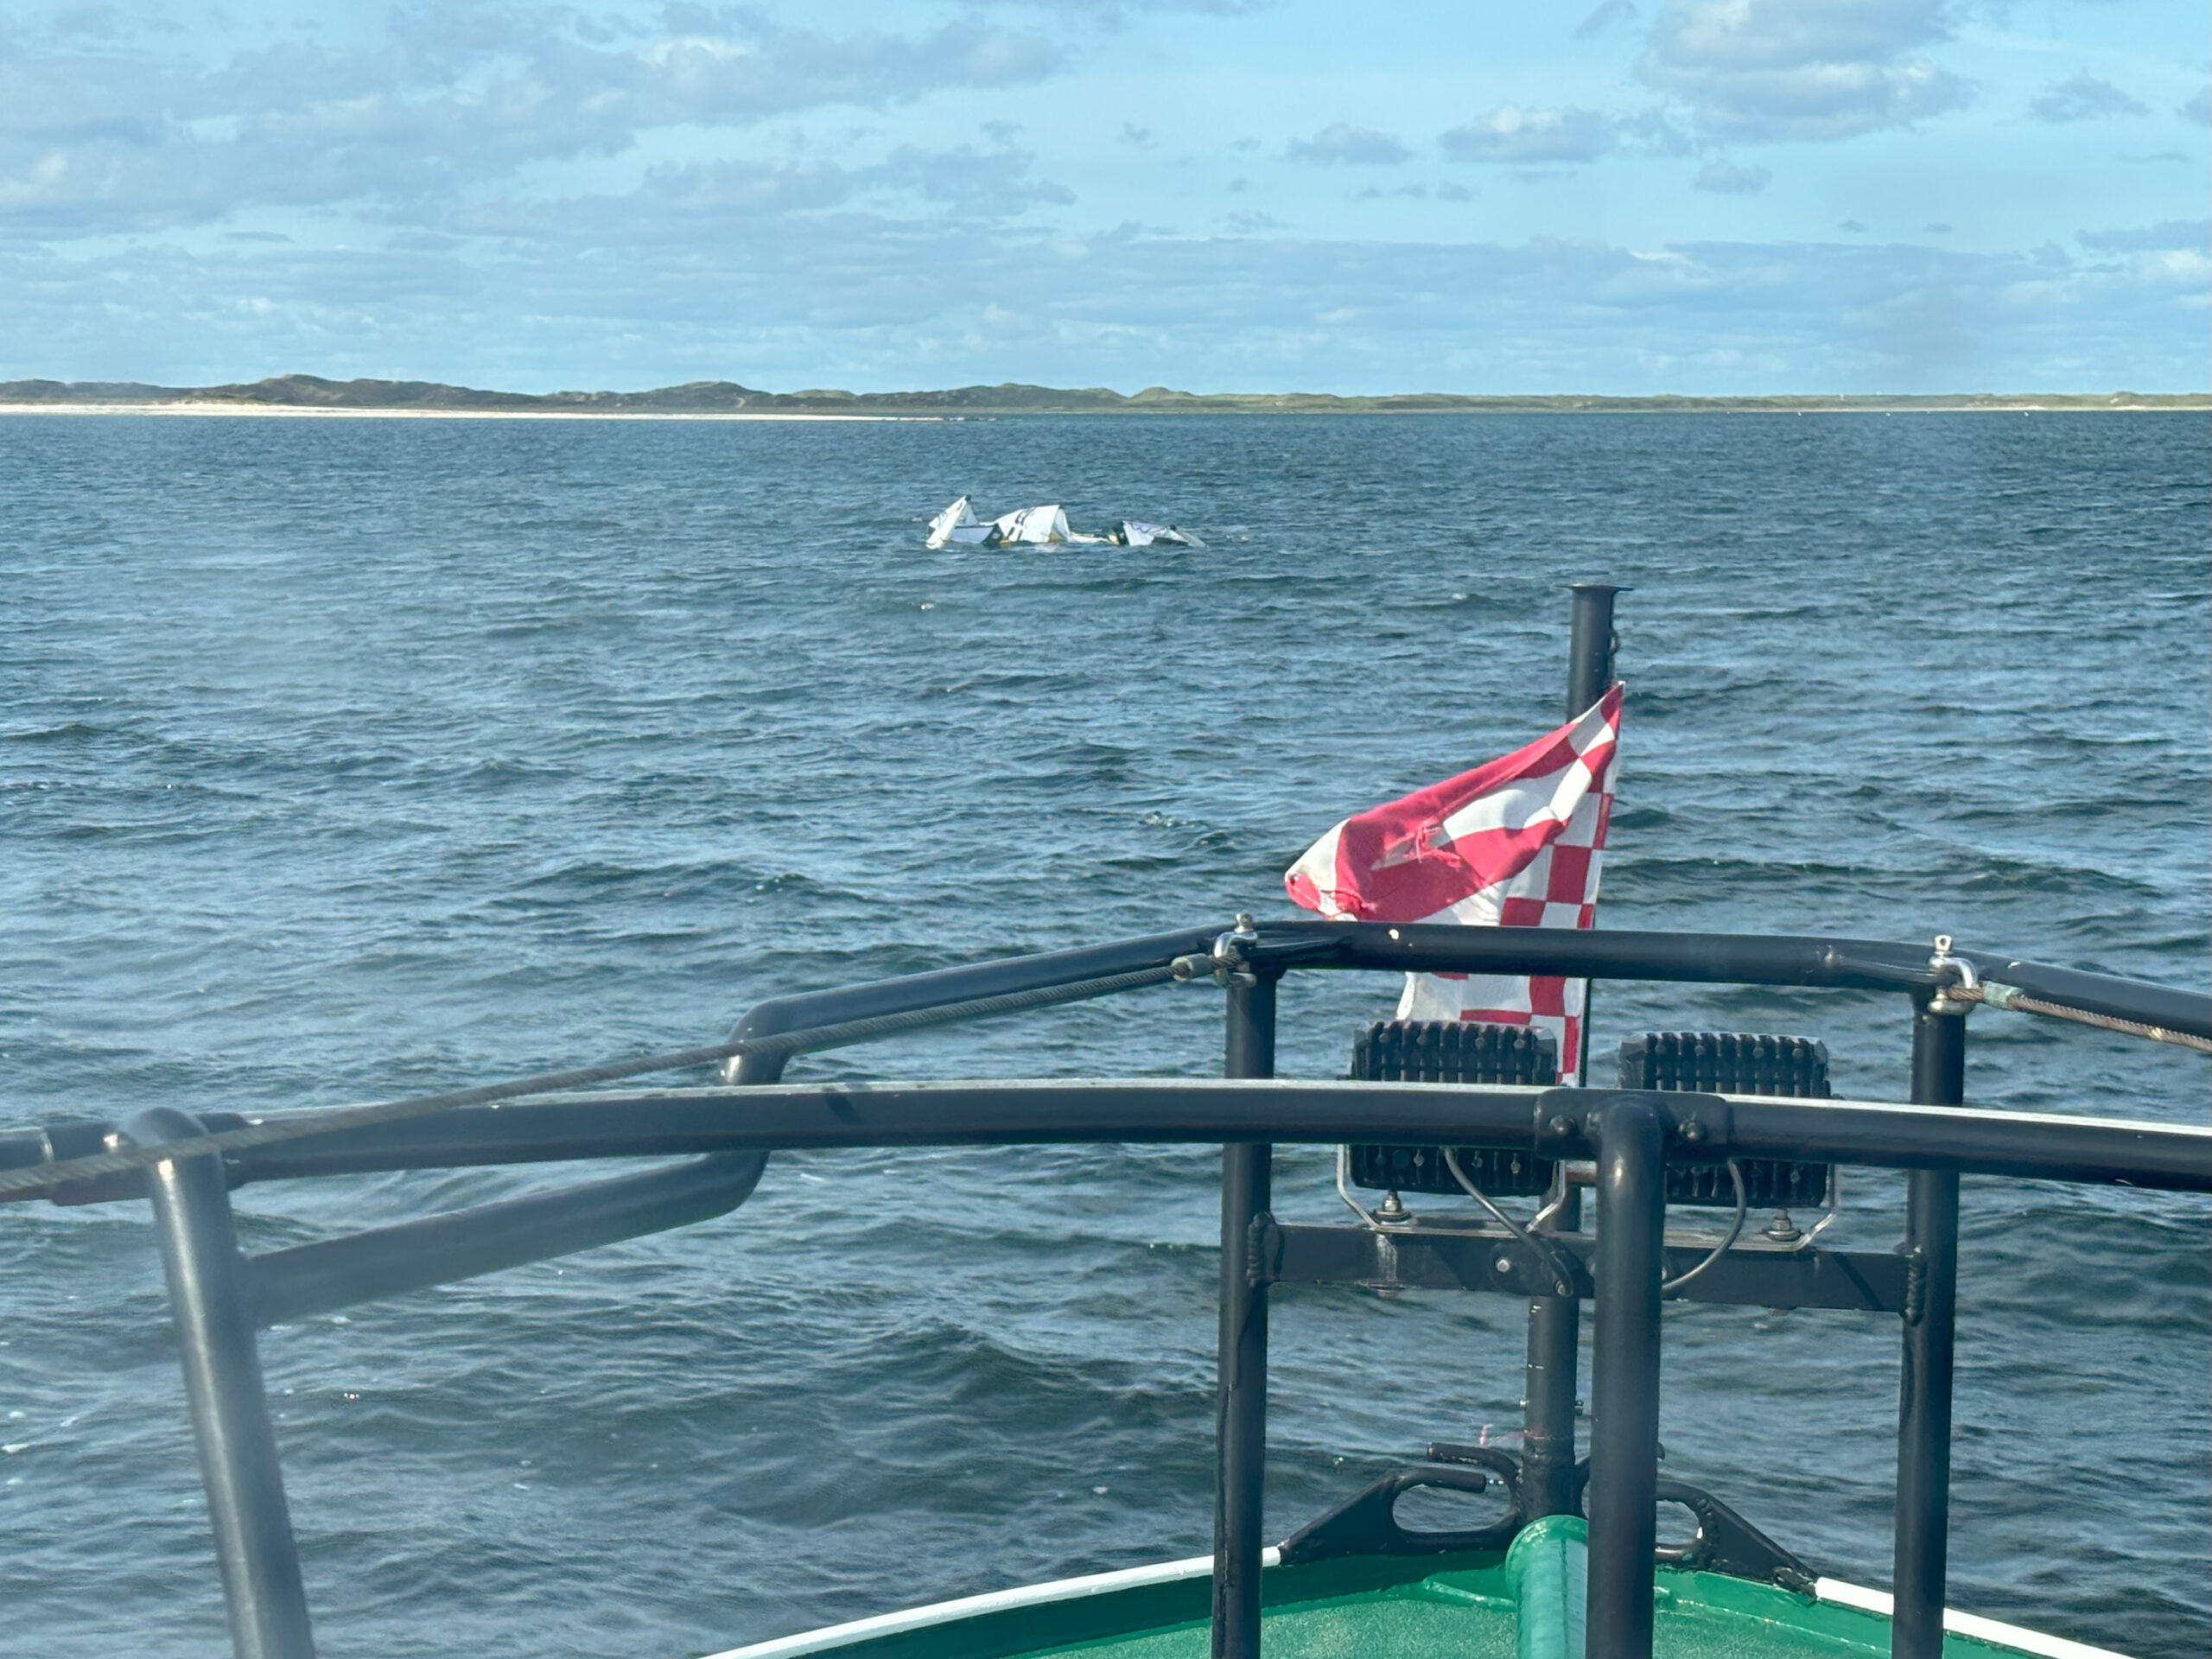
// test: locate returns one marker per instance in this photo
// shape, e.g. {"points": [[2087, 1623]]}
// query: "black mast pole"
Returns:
{"points": [[1555, 1322], [1590, 647], [1590, 644]]}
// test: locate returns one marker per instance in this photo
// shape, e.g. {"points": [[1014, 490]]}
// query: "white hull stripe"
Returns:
{"points": [[1834, 1590], [995, 1601], [1968, 1624]]}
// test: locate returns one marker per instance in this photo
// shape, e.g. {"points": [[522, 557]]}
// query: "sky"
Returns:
{"points": [[1609, 196]]}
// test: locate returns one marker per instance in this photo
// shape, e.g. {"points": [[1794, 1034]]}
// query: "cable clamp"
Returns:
{"points": [[1230, 965], [1963, 992]]}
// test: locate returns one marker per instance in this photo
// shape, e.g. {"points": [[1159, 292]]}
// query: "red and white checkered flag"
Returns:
{"points": [[1514, 844]]}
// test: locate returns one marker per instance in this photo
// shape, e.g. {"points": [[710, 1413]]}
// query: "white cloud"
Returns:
{"points": [[846, 297], [1341, 141], [1801, 69], [1730, 179], [2174, 235], [119, 139], [1608, 13], [980, 183], [689, 204], [515, 194], [2082, 98], [1531, 138]]}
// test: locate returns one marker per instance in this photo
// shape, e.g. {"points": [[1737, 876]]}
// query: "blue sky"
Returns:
{"points": [[1616, 196]]}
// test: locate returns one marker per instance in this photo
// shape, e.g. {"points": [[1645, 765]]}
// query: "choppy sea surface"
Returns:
{"points": [[343, 758]]}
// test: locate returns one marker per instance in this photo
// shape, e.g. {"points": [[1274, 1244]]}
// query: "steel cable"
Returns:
{"points": [[1991, 994]]}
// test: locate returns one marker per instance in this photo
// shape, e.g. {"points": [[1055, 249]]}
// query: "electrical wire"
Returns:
{"points": [[1562, 1279], [1668, 1287]]}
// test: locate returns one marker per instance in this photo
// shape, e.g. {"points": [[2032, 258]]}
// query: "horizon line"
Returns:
{"points": [[305, 394]]}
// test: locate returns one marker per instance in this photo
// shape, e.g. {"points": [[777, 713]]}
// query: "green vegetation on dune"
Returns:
{"points": [[727, 398]]}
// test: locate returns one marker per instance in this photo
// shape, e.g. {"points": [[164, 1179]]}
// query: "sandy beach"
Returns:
{"points": [[312, 412]]}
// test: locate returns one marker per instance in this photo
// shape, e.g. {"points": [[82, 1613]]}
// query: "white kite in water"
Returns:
{"points": [[1045, 527], [1134, 532], [1035, 527], [958, 522]]}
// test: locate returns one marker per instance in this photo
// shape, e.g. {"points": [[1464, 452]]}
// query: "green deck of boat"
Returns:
{"points": [[1351, 1610]]}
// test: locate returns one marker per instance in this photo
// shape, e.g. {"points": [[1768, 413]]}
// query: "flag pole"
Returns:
{"points": [[1590, 644], [1555, 1322]]}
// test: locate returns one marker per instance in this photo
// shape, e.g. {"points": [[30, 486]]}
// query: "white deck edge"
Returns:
{"points": [[1958, 1624], [1835, 1590], [991, 1601]]}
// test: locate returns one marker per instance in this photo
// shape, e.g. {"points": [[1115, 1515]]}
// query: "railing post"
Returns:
{"points": [[1241, 1393], [1924, 1504], [1624, 1492], [1547, 1419], [254, 1548]]}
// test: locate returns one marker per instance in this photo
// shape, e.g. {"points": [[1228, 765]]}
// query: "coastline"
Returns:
{"points": [[370, 412], [728, 400], [203, 408]]}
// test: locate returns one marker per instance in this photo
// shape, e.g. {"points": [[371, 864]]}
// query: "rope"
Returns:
{"points": [[1991, 994], [39, 1177]]}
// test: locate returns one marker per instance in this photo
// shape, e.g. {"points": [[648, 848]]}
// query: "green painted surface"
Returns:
{"points": [[1429, 1620], [1548, 1567], [1458, 1608]]}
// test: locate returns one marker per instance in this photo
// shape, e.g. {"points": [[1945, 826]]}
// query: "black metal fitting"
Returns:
{"points": [[1725, 1542], [1367, 1524]]}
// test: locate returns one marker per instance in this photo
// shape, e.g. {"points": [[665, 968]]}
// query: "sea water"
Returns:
{"points": [[340, 759]]}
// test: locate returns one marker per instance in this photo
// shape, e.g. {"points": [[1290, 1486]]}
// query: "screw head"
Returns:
{"points": [[1694, 1131], [1561, 1126], [1503, 1266]]}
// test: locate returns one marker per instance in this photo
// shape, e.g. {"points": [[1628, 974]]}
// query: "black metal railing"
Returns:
{"points": [[219, 1296]]}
